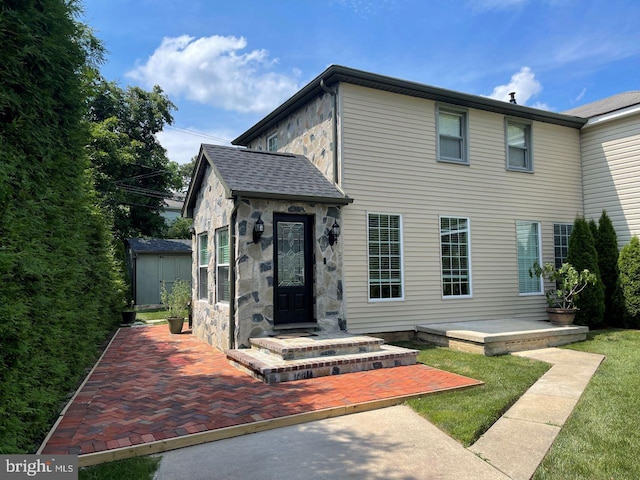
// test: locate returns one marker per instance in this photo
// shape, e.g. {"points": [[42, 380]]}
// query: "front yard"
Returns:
{"points": [[599, 441]]}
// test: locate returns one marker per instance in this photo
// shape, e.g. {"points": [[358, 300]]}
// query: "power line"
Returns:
{"points": [[195, 133]]}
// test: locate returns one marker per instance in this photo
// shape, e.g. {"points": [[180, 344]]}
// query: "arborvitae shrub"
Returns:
{"points": [[629, 265], [57, 281], [583, 254], [607, 247]]}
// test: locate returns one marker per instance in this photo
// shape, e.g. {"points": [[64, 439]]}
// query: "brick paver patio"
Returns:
{"points": [[151, 385]]}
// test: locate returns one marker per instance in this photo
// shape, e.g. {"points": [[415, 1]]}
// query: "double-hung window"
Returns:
{"points": [[561, 234], [519, 152], [528, 249], [272, 143], [452, 135], [385, 256], [455, 256], [222, 264], [203, 266]]}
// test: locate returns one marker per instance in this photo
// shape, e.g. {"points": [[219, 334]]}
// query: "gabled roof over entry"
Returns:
{"points": [[256, 174]]}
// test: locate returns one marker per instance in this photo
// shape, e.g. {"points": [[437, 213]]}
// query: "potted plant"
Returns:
{"points": [[568, 283], [176, 301], [128, 312]]}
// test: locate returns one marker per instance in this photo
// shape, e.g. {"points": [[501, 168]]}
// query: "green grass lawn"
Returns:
{"points": [[138, 468], [467, 414], [155, 314], [601, 439]]}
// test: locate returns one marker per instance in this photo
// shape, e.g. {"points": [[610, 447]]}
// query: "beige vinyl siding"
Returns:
{"points": [[389, 166], [611, 167]]}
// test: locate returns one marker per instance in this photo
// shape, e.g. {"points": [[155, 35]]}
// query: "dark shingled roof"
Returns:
{"points": [[606, 105], [257, 174], [159, 245], [335, 74]]}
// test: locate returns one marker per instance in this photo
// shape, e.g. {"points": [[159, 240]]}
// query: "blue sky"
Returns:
{"points": [[226, 64]]}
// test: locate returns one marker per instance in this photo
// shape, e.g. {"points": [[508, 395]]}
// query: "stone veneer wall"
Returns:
{"points": [[255, 269], [308, 131], [254, 266], [212, 211]]}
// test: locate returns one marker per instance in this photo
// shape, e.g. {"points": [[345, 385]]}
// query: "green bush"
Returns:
{"points": [[58, 284], [629, 265], [583, 255], [607, 247]]}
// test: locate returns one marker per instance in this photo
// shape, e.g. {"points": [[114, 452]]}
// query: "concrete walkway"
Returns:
{"points": [[396, 443]]}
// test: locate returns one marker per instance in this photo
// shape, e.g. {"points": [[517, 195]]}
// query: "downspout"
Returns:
{"points": [[232, 274], [334, 93]]}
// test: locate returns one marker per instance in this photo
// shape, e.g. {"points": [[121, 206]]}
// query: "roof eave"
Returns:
{"points": [[337, 73], [289, 197]]}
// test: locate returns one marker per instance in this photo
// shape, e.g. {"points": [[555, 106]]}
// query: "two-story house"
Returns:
{"points": [[374, 204], [611, 161]]}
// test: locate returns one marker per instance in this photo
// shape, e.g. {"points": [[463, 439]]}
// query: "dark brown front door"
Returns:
{"points": [[293, 259]]}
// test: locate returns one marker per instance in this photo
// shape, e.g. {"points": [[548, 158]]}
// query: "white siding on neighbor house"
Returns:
{"points": [[389, 166], [611, 167]]}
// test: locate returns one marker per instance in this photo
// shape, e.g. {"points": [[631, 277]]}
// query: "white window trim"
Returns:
{"points": [[554, 237], [456, 297], [385, 300], [218, 265], [528, 138], [273, 135], [540, 279], [204, 298], [464, 113]]}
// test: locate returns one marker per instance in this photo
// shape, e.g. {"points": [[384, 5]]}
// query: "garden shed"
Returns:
{"points": [[152, 261]]}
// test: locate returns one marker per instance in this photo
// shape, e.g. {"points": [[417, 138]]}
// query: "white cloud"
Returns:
{"points": [[184, 143], [581, 94], [525, 85], [215, 71]]}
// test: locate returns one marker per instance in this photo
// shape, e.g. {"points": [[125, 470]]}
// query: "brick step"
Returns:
{"points": [[273, 369], [294, 347]]}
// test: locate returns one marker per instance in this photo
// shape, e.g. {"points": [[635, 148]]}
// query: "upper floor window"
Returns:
{"points": [[222, 264], [203, 266], [272, 143], [456, 257], [528, 249], [385, 256], [519, 154], [452, 135]]}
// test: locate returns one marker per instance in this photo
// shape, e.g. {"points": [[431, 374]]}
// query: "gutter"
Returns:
{"points": [[608, 117], [232, 273], [334, 93]]}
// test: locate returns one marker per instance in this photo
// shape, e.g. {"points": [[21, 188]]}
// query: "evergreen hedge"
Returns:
{"points": [[583, 254], [607, 247], [629, 265], [58, 284]]}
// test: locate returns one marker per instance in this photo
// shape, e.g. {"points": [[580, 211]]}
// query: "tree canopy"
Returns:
{"points": [[130, 168]]}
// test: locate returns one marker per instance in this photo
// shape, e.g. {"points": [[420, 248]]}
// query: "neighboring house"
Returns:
{"points": [[152, 261], [611, 161], [171, 210], [443, 200]]}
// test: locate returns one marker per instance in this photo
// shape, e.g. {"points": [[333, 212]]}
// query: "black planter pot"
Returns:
{"points": [[128, 317]]}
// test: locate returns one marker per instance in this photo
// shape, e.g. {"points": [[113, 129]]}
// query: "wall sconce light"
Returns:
{"points": [[334, 233], [192, 231], [258, 230]]}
